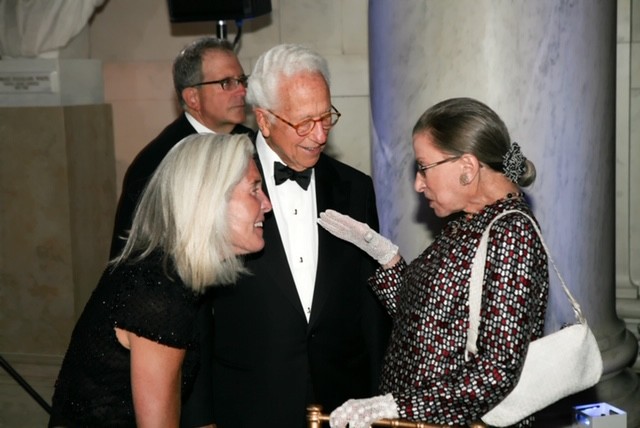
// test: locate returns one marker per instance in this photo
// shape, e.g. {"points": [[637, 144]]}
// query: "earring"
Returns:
{"points": [[464, 179]]}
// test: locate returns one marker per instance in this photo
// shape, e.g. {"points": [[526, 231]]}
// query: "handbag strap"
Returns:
{"points": [[477, 277]]}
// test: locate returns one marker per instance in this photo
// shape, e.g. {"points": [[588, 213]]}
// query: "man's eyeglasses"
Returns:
{"points": [[304, 127], [422, 169], [228, 83]]}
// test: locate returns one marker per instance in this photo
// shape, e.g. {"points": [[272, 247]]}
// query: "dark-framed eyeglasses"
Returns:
{"points": [[228, 83], [422, 169], [304, 127]]}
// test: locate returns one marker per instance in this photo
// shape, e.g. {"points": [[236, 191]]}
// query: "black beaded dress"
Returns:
{"points": [[93, 388], [425, 367]]}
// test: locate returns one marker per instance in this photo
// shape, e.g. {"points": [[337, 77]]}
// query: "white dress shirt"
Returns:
{"points": [[295, 211], [200, 128]]}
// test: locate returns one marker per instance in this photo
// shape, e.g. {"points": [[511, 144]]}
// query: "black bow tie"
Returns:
{"points": [[283, 173]]}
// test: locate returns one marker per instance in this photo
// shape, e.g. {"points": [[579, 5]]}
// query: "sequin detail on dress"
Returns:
{"points": [[94, 385]]}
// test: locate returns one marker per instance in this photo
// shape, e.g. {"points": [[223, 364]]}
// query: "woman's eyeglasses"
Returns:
{"points": [[422, 169]]}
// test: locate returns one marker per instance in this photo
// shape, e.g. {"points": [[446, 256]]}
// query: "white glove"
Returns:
{"points": [[359, 234], [363, 412]]}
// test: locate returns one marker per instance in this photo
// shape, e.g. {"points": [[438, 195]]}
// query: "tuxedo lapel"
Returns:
{"points": [[330, 193]]}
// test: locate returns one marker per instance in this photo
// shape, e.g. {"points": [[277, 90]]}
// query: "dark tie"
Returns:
{"points": [[283, 173]]}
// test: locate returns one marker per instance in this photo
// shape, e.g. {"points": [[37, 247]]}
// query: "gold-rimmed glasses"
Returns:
{"points": [[304, 127]]}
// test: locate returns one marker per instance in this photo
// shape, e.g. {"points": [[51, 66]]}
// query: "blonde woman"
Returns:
{"points": [[134, 351]]}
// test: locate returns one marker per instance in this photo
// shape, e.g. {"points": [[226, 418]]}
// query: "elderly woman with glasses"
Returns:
{"points": [[469, 170]]}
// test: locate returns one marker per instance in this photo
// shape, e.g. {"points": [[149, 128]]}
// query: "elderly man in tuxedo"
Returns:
{"points": [[303, 327]]}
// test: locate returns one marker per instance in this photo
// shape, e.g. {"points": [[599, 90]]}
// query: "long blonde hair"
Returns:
{"points": [[183, 209]]}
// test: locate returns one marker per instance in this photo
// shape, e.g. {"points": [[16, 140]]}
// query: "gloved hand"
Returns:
{"points": [[363, 412], [359, 234]]}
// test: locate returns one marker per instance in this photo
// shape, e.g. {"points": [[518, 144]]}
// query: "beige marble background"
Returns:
{"points": [[57, 186]]}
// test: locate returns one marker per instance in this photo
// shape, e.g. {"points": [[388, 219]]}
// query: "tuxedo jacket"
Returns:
{"points": [[141, 170], [269, 363]]}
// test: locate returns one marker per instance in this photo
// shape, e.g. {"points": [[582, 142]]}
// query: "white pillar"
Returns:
{"points": [[548, 69]]}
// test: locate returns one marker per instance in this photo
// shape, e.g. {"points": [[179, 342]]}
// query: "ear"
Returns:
{"points": [[263, 121], [470, 165], [191, 98]]}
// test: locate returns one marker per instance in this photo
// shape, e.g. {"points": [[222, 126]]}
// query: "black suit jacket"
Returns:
{"points": [[141, 170], [268, 362]]}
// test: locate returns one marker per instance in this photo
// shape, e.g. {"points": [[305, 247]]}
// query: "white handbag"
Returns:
{"points": [[557, 365]]}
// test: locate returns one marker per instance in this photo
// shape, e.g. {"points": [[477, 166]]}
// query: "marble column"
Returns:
{"points": [[627, 162], [548, 68]]}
